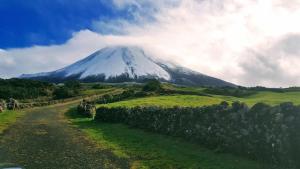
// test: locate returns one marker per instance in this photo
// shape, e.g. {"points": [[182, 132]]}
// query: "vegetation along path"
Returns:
{"points": [[43, 138]]}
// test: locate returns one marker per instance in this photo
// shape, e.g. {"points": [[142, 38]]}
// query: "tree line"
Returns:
{"points": [[24, 89]]}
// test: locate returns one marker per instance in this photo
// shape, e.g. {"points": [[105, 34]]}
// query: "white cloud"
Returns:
{"points": [[249, 42], [14, 62]]}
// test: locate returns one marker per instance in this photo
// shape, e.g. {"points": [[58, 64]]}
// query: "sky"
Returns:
{"points": [[249, 42]]}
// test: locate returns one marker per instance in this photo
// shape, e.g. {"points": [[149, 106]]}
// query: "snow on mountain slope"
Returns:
{"points": [[112, 62], [123, 63]]}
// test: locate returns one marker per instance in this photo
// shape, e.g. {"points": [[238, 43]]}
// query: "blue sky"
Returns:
{"points": [[246, 42], [26, 23]]}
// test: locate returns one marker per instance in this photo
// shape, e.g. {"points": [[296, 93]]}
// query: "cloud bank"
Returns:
{"points": [[249, 42]]}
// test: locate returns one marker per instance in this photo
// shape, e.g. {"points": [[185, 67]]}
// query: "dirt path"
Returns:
{"points": [[44, 139]]}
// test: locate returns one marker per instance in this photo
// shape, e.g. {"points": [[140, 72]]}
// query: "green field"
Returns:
{"points": [[272, 98], [7, 118], [148, 150], [169, 101]]}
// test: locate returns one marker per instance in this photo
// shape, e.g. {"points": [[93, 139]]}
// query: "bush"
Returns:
{"points": [[265, 133], [12, 104], [64, 92], [70, 89], [87, 109], [72, 84], [152, 86]]}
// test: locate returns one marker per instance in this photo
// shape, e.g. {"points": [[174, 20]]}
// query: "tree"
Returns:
{"points": [[72, 84], [24, 89], [152, 86], [64, 92]]}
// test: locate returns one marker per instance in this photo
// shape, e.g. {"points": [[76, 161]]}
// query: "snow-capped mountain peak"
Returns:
{"points": [[113, 62], [126, 63]]}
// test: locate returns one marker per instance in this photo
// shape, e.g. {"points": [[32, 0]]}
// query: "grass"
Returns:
{"points": [[169, 101], [271, 98], [195, 90], [7, 118], [268, 97], [148, 150], [274, 98], [88, 92]]}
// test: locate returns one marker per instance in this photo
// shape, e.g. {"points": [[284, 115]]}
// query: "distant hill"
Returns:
{"points": [[123, 64]]}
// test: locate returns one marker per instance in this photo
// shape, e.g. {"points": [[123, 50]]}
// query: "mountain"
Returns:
{"points": [[122, 64]]}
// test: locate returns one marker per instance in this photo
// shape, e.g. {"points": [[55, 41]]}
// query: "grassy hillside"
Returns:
{"points": [[169, 101], [271, 98], [248, 95]]}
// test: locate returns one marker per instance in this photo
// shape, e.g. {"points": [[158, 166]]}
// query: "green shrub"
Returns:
{"points": [[265, 133], [70, 89], [152, 86], [64, 92], [72, 84]]}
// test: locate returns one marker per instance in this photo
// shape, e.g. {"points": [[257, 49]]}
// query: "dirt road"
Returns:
{"points": [[44, 139]]}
